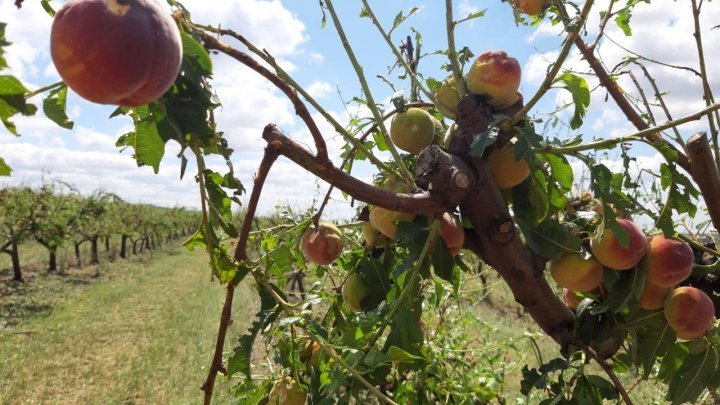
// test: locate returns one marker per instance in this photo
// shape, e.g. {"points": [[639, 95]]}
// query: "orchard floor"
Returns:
{"points": [[139, 331]]}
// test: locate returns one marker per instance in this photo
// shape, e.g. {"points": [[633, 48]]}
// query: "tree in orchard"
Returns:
{"points": [[371, 315]]}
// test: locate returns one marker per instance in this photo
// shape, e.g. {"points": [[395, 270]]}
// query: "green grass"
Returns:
{"points": [[140, 331]]}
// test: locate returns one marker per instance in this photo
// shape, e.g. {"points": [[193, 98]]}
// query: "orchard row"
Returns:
{"points": [[56, 218]]}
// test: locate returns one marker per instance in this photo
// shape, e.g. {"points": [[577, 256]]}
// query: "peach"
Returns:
{"points": [[322, 245], [310, 353], [354, 292], [287, 391], [452, 232], [123, 52], [530, 7], [384, 220], [575, 273], [412, 130], [496, 76], [505, 170], [607, 249], [449, 134], [667, 261], [689, 312], [653, 296], [447, 98], [571, 299]]}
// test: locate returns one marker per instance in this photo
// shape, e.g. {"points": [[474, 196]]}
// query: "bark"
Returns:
{"points": [[15, 257], [52, 266], [107, 243], [94, 259], [123, 247], [705, 174], [78, 262]]}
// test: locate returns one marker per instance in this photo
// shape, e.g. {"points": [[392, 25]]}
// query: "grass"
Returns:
{"points": [[138, 331]]}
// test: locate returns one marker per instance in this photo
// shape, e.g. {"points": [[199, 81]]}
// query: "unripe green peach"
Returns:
{"points": [[575, 273], [396, 185], [452, 232], [505, 170], [384, 220], [412, 130], [353, 292], [496, 76], [607, 250], [287, 391], [447, 98], [373, 237], [653, 296], [667, 261], [530, 7], [439, 132], [449, 135], [689, 312], [322, 245]]}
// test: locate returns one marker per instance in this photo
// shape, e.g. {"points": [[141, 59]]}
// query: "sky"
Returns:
{"points": [[292, 32]]}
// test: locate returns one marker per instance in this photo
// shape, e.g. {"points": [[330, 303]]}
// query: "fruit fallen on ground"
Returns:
{"points": [[689, 312], [607, 250], [353, 292], [505, 170], [452, 232], [322, 245], [384, 220], [667, 261], [287, 391], [571, 299], [412, 130], [576, 273], [530, 7], [496, 76], [653, 296], [447, 98], [123, 52]]}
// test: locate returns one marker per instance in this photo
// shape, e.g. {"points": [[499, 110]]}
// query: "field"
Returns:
{"points": [[142, 331]]}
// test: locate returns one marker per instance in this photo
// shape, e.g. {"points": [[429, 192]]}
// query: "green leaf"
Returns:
{"points": [[54, 106], [442, 260], [12, 101], [3, 43], [625, 290], [4, 168], [653, 342], [578, 88], [400, 18], [240, 359], [693, 376], [149, 146], [622, 19], [397, 354], [197, 54], [549, 239]]}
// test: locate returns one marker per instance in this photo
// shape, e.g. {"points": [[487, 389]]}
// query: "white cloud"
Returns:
{"points": [[317, 57], [319, 89]]}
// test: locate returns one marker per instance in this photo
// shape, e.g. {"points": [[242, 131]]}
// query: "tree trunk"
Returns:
{"points": [[78, 262], [52, 266], [123, 247], [146, 241], [94, 251], [107, 243], [134, 242], [15, 256]]}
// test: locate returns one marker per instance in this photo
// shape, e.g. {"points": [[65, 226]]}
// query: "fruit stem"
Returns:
{"points": [[452, 53], [406, 175], [550, 77], [44, 89]]}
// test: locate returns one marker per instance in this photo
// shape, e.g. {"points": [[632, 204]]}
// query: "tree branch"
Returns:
{"points": [[705, 173]]}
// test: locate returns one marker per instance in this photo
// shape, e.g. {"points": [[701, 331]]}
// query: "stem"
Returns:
{"points": [[43, 89], [366, 90], [609, 371], [452, 53], [216, 364], [550, 77], [603, 23], [203, 204], [664, 106]]}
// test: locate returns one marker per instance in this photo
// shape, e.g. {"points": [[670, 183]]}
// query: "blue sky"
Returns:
{"points": [[291, 31]]}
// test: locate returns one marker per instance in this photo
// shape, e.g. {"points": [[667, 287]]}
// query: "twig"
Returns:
{"points": [[216, 365], [43, 89], [300, 108], [603, 23], [366, 90], [661, 100], [609, 371], [452, 53], [550, 77]]}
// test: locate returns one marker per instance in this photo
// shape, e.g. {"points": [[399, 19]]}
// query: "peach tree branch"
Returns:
{"points": [[452, 53]]}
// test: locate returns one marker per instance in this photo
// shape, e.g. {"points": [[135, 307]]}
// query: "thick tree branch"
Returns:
{"points": [[705, 173], [422, 203]]}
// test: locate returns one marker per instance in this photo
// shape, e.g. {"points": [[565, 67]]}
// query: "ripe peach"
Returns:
{"points": [[124, 52], [412, 130], [384, 220], [452, 232], [575, 273], [667, 261], [353, 292], [497, 76], [504, 169], [287, 391], [690, 312], [447, 98], [653, 296], [607, 249], [530, 7], [571, 299], [322, 245]]}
